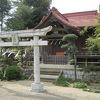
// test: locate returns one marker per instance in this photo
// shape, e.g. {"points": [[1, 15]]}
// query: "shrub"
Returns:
{"points": [[1, 75], [61, 81], [13, 73], [79, 85], [69, 80], [72, 62], [92, 90], [87, 81], [91, 68]]}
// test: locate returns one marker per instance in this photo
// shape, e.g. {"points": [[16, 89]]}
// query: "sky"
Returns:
{"points": [[68, 6]]}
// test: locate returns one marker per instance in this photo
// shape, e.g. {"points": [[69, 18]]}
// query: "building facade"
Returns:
{"points": [[64, 24]]}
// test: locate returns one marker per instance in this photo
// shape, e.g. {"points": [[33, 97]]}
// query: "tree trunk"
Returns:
{"points": [[69, 58], [75, 65], [22, 57], [1, 24]]}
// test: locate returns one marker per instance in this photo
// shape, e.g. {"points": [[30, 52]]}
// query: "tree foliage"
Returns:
{"points": [[82, 32], [5, 6], [70, 45], [21, 19], [28, 13], [93, 42], [70, 48]]}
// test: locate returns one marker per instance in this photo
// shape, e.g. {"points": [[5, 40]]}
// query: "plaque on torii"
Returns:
{"points": [[14, 37]]}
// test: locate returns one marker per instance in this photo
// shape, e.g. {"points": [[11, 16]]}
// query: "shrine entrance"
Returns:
{"points": [[14, 38]]}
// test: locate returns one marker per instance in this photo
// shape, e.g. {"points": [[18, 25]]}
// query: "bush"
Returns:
{"points": [[79, 85], [1, 75], [87, 81], [72, 62], [61, 81], [13, 73], [94, 90], [91, 68], [69, 80]]}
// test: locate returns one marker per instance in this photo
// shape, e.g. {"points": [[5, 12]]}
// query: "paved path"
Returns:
{"points": [[21, 90], [13, 91]]}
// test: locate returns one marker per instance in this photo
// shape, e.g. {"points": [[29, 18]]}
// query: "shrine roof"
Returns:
{"points": [[54, 12], [77, 19], [86, 18]]}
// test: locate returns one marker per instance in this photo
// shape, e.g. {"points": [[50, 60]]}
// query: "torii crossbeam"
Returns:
{"points": [[14, 40]]}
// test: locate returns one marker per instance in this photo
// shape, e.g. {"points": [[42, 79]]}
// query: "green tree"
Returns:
{"points": [[5, 6], [70, 48], [28, 13], [21, 19], [93, 42]]}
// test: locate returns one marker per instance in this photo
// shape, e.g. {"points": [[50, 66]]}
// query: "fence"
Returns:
{"points": [[82, 58], [54, 59], [85, 58]]}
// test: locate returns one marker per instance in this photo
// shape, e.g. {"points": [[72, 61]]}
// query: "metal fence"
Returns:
{"points": [[54, 59], [85, 58], [82, 58]]}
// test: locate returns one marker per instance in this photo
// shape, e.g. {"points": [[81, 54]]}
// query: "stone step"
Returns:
{"points": [[48, 76], [50, 72], [55, 66]]}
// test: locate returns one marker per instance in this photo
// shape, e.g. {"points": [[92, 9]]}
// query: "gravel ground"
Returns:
{"points": [[21, 90]]}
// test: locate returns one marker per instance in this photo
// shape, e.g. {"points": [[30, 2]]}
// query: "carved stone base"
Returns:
{"points": [[37, 87]]}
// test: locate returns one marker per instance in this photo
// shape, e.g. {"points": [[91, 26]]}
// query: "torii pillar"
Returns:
{"points": [[37, 86]]}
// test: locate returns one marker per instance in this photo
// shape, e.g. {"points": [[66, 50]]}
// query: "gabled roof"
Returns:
{"points": [[54, 12], [78, 19], [86, 18]]}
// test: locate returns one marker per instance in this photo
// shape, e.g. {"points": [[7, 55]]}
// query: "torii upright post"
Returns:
{"points": [[37, 86], [15, 35]]}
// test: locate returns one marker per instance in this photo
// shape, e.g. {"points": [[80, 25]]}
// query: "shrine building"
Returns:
{"points": [[64, 24]]}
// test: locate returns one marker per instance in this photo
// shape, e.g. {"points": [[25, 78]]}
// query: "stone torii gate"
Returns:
{"points": [[14, 37]]}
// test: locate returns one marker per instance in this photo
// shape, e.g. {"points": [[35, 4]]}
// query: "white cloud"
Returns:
{"points": [[65, 6]]}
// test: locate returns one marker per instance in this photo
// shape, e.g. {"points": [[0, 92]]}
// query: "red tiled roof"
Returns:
{"points": [[54, 12], [78, 19], [87, 18]]}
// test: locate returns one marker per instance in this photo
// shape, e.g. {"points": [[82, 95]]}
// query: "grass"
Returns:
{"points": [[91, 89], [80, 85], [62, 82], [66, 82]]}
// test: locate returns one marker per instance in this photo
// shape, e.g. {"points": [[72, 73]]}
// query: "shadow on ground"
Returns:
{"points": [[39, 96]]}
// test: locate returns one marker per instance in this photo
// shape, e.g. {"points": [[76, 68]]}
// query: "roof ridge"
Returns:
{"points": [[55, 10], [80, 13]]}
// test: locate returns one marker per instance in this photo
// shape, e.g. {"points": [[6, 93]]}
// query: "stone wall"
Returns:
{"points": [[93, 76]]}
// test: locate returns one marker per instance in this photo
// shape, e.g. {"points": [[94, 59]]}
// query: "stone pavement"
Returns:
{"points": [[21, 90], [9, 91]]}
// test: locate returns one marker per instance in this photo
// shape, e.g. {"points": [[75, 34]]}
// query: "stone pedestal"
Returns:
{"points": [[37, 87]]}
